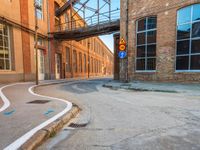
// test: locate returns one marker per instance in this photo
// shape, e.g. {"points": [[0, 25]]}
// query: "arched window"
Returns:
{"points": [[146, 44], [188, 39]]}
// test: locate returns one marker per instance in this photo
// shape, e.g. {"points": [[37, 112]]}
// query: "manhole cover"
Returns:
{"points": [[39, 102], [74, 125]]}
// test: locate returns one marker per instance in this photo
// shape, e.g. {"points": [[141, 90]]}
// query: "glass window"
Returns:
{"points": [[183, 47], [146, 44], [151, 37], [142, 25], [196, 30], [140, 64], [68, 60], [141, 51], [196, 12], [151, 23], [195, 46], [151, 50], [5, 56], [182, 62], [39, 6], [141, 38], [184, 15], [75, 61], [195, 62], [188, 38], [184, 31]]}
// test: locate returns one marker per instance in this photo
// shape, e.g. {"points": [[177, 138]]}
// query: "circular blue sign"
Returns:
{"points": [[122, 54]]}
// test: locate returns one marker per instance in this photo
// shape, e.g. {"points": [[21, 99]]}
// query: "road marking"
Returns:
{"points": [[20, 141], [6, 102], [9, 113]]}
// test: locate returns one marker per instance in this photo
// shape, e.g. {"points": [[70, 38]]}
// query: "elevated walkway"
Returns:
{"points": [[88, 31]]}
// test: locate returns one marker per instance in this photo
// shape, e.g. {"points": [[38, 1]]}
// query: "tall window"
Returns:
{"points": [[39, 12], [5, 56], [146, 44], [80, 62], [67, 59], [75, 61], [188, 39], [85, 63]]}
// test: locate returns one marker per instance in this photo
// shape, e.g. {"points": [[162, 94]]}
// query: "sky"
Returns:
{"points": [[115, 4]]}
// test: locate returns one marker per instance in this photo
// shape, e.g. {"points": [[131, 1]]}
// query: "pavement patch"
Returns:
{"points": [[39, 102]]}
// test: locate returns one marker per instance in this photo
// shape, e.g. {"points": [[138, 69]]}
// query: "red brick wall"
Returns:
{"points": [[166, 12]]}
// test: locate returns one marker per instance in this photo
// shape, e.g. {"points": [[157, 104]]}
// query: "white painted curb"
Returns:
{"points": [[20, 141]]}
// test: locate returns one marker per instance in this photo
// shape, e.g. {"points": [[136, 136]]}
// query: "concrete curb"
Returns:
{"points": [[49, 131], [138, 89]]}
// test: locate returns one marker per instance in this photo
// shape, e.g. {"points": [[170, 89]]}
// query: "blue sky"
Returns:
{"points": [[108, 39]]}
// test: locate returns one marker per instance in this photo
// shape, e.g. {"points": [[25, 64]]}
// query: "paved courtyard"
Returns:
{"points": [[119, 119]]}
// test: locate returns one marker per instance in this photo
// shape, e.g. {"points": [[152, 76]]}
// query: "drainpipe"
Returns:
{"points": [[127, 22], [49, 43]]}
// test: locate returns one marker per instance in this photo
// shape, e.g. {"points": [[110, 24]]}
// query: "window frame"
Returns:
{"points": [[146, 44], [190, 54], [9, 48]]}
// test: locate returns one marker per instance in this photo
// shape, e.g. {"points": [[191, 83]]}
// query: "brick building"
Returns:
{"points": [[163, 40], [57, 59]]}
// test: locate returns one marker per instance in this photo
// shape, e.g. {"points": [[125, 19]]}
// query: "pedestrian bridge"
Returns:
{"points": [[100, 22]]}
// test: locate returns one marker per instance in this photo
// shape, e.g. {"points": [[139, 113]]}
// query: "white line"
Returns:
{"points": [[6, 102], [19, 142]]}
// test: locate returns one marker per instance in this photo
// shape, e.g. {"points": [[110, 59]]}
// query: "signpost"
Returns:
{"points": [[122, 49]]}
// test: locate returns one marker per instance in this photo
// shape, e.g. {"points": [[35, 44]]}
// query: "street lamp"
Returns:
{"points": [[36, 6]]}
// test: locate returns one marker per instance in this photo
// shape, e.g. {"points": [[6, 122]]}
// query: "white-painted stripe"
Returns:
{"points": [[6, 102], [19, 142]]}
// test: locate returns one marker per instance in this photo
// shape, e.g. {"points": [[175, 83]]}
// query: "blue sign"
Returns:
{"points": [[122, 54]]}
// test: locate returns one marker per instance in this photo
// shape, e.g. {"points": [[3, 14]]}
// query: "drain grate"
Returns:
{"points": [[39, 102], [74, 125]]}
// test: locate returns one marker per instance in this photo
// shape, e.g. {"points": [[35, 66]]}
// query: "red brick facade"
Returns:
{"points": [[166, 13]]}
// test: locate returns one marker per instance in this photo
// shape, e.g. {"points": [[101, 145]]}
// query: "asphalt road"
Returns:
{"points": [[22, 115], [126, 120]]}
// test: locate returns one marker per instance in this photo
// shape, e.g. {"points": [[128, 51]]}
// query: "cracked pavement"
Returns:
{"points": [[126, 120]]}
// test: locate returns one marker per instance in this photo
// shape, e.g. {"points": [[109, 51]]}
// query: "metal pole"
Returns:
{"points": [[36, 44], [110, 10], [127, 22], [98, 10]]}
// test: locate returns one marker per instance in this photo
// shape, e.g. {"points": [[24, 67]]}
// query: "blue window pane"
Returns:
{"points": [[183, 31], [184, 15], [196, 29], [196, 12]]}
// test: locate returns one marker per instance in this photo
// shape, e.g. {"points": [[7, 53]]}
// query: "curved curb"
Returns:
{"points": [[42, 135], [26, 137]]}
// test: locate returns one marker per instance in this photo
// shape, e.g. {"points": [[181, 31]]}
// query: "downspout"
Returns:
{"points": [[127, 22], [49, 43]]}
